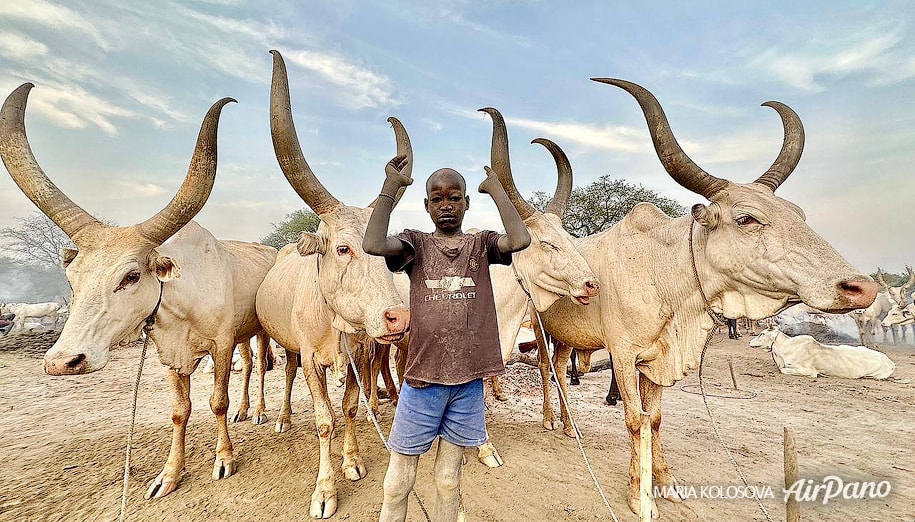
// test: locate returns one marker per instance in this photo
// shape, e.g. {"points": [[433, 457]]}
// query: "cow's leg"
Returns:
{"points": [[398, 482], [543, 364], [400, 363], [373, 367], [353, 467], [244, 349], [561, 355], [573, 360], [263, 364], [613, 394], [324, 498], [448, 460], [284, 421], [224, 465], [651, 403], [628, 377], [167, 481], [385, 356]]}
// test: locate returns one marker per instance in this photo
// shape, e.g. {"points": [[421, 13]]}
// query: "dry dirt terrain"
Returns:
{"points": [[63, 451]]}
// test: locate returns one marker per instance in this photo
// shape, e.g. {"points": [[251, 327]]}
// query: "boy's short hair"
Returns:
{"points": [[443, 172]]}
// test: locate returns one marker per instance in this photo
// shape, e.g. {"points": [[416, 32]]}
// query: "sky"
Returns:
{"points": [[121, 89]]}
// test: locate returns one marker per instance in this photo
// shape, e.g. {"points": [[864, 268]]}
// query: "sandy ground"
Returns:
{"points": [[64, 437]]}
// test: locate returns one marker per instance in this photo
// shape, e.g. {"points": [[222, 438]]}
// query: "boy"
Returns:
{"points": [[454, 338]]}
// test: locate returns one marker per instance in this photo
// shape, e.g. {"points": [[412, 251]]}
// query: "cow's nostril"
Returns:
{"points": [[76, 361]]}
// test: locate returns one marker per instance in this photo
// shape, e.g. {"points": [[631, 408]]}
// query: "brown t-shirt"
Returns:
{"points": [[454, 334]]}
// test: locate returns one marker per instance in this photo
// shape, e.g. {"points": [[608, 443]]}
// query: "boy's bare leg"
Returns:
{"points": [[448, 460], [398, 482]]}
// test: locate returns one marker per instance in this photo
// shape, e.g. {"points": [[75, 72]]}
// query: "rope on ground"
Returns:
{"points": [[577, 433], [365, 402], [133, 418]]}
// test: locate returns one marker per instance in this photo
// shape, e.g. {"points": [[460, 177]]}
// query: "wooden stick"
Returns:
{"points": [[645, 469], [731, 367], [791, 476]]}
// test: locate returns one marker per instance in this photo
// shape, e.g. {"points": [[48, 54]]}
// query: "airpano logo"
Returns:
{"points": [[833, 488]]}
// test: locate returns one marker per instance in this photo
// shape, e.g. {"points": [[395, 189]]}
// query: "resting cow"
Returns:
{"points": [[804, 355], [200, 288]]}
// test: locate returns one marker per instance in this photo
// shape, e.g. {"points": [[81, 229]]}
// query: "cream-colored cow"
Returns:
{"points": [[748, 253], [325, 285], [200, 290]]}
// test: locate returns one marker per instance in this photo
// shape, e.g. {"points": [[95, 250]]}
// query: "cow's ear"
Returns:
{"points": [[707, 216], [165, 268], [67, 255], [310, 244]]}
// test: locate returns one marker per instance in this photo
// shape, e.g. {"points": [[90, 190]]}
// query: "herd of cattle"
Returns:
{"points": [[646, 290]]}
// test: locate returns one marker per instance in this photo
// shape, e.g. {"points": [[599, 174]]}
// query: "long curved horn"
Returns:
{"points": [[17, 155], [286, 145], [405, 148], [499, 158], [911, 281], [193, 193], [792, 147], [675, 161], [560, 201], [880, 279]]}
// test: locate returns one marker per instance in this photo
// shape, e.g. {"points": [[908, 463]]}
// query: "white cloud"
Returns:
{"points": [[13, 44], [361, 87], [53, 16], [73, 107], [876, 52]]}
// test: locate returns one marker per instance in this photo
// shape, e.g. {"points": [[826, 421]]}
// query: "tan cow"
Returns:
{"points": [[325, 285], [123, 275], [748, 253]]}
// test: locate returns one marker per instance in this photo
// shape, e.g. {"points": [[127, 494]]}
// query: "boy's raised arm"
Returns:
{"points": [[376, 240], [516, 236]]}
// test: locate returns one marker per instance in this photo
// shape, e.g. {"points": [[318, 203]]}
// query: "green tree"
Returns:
{"points": [[288, 230], [600, 205]]}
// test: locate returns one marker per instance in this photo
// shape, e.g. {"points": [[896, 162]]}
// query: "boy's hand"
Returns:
{"points": [[393, 171], [491, 182]]}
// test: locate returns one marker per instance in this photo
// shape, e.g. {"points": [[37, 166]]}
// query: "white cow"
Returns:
{"points": [[746, 253], [39, 311], [899, 316], [200, 288], [803, 355]]}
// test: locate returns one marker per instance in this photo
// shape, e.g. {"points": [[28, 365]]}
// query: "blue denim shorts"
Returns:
{"points": [[453, 412]]}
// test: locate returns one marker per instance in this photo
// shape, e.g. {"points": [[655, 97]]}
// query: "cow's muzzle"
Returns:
{"points": [[66, 364]]}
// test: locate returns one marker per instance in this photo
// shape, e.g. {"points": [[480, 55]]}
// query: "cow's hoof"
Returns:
{"points": [[259, 418], [354, 471], [240, 416], [569, 431], [550, 424], [282, 426], [610, 401], [162, 485], [500, 396], [668, 488], [634, 507], [489, 456], [323, 508], [223, 468]]}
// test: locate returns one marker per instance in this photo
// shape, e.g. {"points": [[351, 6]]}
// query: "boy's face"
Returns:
{"points": [[446, 201]]}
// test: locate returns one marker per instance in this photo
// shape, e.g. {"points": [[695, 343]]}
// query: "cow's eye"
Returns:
{"points": [[548, 246], [746, 220], [343, 250], [131, 278]]}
